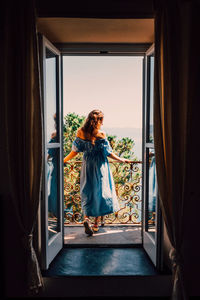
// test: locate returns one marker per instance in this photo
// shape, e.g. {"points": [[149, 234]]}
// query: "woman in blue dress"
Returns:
{"points": [[97, 189]]}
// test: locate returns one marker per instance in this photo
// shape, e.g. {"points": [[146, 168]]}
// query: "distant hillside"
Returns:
{"points": [[133, 133]]}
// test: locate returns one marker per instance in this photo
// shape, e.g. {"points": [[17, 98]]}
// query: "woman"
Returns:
{"points": [[97, 189]]}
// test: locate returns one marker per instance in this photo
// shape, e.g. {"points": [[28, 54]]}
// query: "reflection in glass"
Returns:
{"points": [[151, 100], [152, 192], [52, 184], [51, 94]]}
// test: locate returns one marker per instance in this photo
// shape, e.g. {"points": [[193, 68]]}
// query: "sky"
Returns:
{"points": [[112, 84]]}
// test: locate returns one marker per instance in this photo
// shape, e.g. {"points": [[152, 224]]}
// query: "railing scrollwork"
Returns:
{"points": [[127, 178]]}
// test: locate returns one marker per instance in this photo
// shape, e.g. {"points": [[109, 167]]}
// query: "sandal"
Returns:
{"points": [[88, 229], [95, 227]]}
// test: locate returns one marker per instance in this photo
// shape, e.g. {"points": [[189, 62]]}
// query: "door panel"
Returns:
{"points": [[152, 219], [52, 194]]}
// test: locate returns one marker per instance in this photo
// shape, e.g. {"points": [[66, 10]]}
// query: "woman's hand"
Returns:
{"points": [[120, 159], [125, 160]]}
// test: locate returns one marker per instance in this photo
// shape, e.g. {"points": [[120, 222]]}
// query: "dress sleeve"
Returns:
{"points": [[107, 148], [77, 145]]}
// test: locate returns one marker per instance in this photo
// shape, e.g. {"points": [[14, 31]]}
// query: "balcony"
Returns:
{"points": [[119, 226]]}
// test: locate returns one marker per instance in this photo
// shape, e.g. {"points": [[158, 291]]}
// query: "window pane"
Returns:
{"points": [[152, 192], [51, 97], [151, 99], [53, 190]]}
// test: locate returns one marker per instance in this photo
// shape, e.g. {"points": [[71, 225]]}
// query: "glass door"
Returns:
{"points": [[152, 220], [52, 194]]}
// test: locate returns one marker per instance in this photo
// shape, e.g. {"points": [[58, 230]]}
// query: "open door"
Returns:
{"points": [[152, 219], [52, 192]]}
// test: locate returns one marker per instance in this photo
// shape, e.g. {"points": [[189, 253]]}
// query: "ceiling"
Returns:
{"points": [[93, 30]]}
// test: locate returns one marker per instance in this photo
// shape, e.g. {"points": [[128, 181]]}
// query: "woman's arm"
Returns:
{"points": [[70, 156], [120, 159]]}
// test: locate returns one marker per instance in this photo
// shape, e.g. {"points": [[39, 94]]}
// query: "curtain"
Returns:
{"points": [[22, 123], [174, 109]]}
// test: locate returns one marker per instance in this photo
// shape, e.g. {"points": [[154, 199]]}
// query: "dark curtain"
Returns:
{"points": [[21, 121], [176, 96]]}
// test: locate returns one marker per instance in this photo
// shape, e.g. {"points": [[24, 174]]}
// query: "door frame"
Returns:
{"points": [[152, 246], [110, 50], [51, 247]]}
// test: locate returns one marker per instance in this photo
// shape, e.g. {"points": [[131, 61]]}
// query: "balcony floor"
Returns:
{"points": [[113, 235]]}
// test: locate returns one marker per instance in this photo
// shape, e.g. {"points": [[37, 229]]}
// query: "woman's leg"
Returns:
{"points": [[95, 227], [96, 220], [102, 221]]}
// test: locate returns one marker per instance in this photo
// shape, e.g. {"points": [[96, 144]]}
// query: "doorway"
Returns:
{"points": [[113, 84], [128, 180], [95, 44]]}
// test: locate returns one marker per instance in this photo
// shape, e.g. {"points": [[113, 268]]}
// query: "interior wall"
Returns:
{"points": [[94, 30]]}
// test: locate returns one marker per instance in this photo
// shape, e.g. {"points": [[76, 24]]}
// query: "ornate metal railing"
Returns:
{"points": [[128, 182]]}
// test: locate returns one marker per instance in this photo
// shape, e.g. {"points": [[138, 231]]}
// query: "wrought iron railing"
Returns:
{"points": [[128, 183]]}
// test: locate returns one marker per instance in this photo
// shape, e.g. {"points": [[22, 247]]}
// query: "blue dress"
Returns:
{"points": [[52, 180], [97, 188], [152, 186]]}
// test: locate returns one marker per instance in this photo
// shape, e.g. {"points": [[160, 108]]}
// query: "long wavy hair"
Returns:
{"points": [[91, 122]]}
